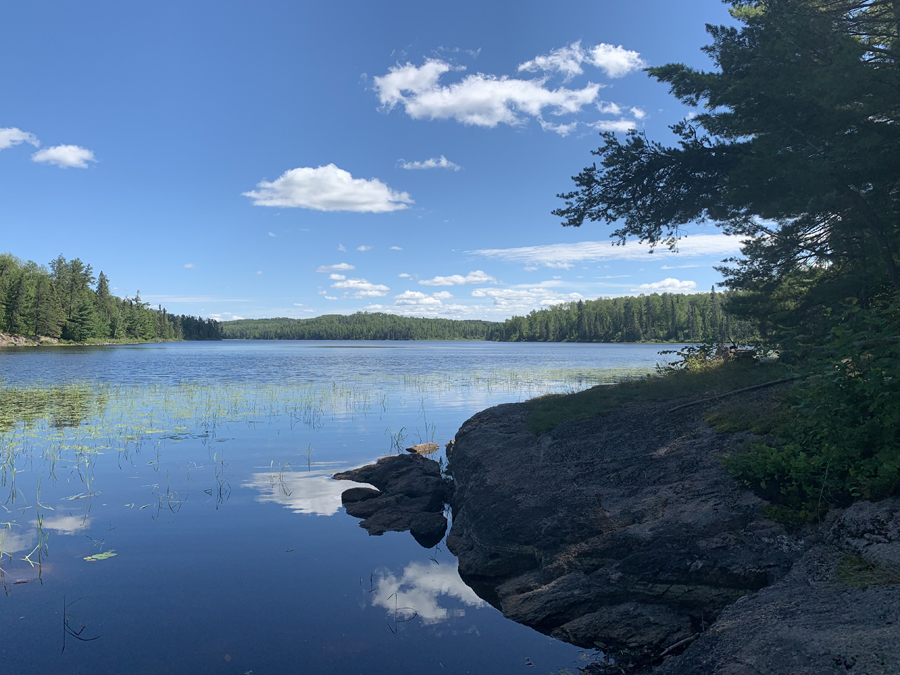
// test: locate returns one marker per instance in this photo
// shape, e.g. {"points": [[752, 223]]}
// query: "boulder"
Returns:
{"points": [[424, 448], [410, 496]]}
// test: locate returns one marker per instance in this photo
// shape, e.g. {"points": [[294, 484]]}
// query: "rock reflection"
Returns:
{"points": [[417, 591], [312, 492]]}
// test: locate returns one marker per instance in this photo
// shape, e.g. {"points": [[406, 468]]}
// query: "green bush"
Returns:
{"points": [[840, 438]]}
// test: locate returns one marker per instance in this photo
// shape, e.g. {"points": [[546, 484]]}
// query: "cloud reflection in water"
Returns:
{"points": [[313, 492], [418, 590]]}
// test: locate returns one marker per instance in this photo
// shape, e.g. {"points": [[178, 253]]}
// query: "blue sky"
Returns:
{"points": [[236, 159]]}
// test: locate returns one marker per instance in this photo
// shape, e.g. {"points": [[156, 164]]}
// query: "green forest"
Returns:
{"points": [[666, 317], [358, 326], [64, 300]]}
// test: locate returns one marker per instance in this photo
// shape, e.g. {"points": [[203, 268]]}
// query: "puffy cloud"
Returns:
{"points": [[667, 286], [361, 288], [638, 113], [11, 136], [328, 188], [225, 316], [336, 277], [340, 267], [433, 163], [522, 299], [478, 99], [609, 108], [565, 256], [404, 275], [396, 248], [364, 248], [476, 277], [615, 61], [65, 156], [620, 125]]}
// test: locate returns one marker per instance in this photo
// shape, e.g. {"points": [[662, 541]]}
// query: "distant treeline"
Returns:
{"points": [[65, 300], [359, 326], [666, 317]]}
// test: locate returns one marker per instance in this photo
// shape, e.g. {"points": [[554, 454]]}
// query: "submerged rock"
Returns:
{"points": [[410, 495]]}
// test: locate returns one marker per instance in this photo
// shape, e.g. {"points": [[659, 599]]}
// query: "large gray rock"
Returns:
{"points": [[623, 530]]}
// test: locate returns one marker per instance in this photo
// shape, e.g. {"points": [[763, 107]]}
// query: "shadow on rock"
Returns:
{"points": [[410, 495]]}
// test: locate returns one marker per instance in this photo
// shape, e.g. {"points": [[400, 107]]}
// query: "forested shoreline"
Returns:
{"points": [[666, 317], [65, 301]]}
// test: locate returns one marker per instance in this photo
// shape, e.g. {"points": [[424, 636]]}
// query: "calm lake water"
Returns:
{"points": [[169, 508]]}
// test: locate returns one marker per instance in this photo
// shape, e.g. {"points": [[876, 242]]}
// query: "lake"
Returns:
{"points": [[168, 508]]}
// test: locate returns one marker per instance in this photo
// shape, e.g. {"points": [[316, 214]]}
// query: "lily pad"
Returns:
{"points": [[101, 556]]}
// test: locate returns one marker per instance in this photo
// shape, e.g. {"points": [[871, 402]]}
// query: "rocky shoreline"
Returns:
{"points": [[625, 533]]}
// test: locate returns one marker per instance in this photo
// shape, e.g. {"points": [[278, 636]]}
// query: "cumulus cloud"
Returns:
{"points": [[478, 99], [433, 163], [523, 298], [336, 277], [404, 275], [561, 129], [396, 248], [328, 188], [364, 248], [340, 267], [615, 61], [225, 316], [564, 256], [65, 156], [667, 286], [476, 277], [417, 592], [362, 288], [609, 108], [11, 136], [620, 125]]}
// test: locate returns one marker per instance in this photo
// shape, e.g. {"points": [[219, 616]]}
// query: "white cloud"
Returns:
{"points": [[416, 298], [404, 275], [442, 295], [638, 113], [65, 156], [271, 234], [476, 277], [396, 248], [667, 286], [609, 108], [561, 129], [620, 125], [522, 299], [565, 256], [363, 248], [340, 267], [342, 248], [259, 271], [478, 99], [676, 267], [336, 277], [362, 288], [11, 136], [615, 61], [190, 266], [328, 188], [299, 304], [225, 316], [432, 163]]}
